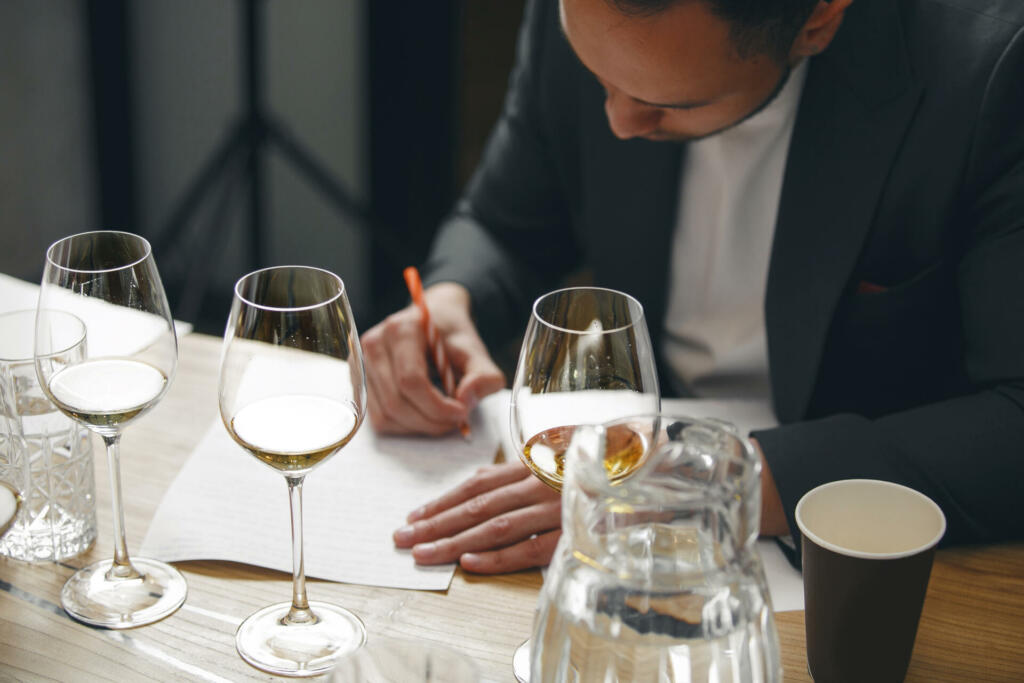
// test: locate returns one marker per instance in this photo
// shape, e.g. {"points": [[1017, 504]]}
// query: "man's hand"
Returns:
{"points": [[502, 519], [773, 516], [402, 399]]}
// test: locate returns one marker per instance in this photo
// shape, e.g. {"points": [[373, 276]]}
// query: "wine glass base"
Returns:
{"points": [[270, 645], [521, 662], [90, 597]]}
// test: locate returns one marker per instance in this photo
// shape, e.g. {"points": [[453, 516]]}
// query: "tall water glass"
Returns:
{"points": [[44, 455], [109, 280]]}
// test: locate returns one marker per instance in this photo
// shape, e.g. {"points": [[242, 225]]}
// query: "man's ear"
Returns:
{"points": [[819, 29]]}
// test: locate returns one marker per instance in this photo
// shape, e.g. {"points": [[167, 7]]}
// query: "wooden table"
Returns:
{"points": [[972, 628]]}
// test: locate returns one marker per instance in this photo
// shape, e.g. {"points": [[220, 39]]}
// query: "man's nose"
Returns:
{"points": [[628, 118]]}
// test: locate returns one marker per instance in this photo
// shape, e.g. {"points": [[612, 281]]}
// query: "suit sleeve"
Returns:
{"points": [[966, 453], [509, 237]]}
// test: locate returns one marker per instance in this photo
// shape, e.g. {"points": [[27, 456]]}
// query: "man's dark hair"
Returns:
{"points": [[756, 26]]}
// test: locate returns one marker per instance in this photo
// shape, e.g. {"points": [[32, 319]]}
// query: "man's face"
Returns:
{"points": [[671, 76]]}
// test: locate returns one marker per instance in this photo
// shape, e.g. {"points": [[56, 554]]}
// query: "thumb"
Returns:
{"points": [[481, 378]]}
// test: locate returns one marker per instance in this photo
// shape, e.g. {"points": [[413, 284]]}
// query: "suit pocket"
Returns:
{"points": [[898, 310], [892, 349]]}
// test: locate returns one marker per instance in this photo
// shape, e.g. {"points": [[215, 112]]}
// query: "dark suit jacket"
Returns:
{"points": [[895, 300]]}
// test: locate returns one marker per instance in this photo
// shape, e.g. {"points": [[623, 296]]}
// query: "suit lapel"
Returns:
{"points": [[857, 103]]}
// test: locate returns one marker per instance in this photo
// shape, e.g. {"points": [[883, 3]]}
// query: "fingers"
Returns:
{"points": [[514, 528], [486, 479], [482, 378], [402, 399], [480, 375], [535, 551], [481, 510], [501, 519]]}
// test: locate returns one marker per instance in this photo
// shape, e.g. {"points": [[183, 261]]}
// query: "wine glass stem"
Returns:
{"points": [[122, 567], [300, 613]]}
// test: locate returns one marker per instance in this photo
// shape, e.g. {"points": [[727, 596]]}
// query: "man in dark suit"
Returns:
{"points": [[892, 178]]}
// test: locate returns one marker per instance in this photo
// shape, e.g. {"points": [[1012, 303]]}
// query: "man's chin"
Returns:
{"points": [[664, 136], [682, 137]]}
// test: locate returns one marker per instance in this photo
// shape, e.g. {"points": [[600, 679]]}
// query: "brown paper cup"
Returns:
{"points": [[867, 554]]}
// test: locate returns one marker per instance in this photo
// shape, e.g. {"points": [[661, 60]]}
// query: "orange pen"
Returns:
{"points": [[444, 368]]}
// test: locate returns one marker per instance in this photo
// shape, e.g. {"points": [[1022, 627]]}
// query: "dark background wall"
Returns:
{"points": [[47, 175], [109, 108]]}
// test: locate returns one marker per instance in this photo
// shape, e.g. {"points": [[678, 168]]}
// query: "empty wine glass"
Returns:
{"points": [[292, 394], [109, 280], [586, 359]]}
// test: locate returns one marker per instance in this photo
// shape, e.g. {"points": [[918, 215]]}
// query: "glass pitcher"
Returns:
{"points": [[657, 577]]}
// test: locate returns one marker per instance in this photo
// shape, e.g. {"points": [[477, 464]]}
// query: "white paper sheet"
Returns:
{"points": [[226, 505], [784, 583]]}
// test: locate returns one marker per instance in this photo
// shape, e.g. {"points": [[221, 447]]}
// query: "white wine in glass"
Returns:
{"points": [[109, 280], [586, 359], [292, 394]]}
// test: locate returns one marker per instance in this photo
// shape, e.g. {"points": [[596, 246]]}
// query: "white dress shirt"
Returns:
{"points": [[714, 337]]}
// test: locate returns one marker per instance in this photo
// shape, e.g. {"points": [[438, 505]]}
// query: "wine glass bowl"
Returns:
{"points": [[109, 280], [586, 359], [292, 393]]}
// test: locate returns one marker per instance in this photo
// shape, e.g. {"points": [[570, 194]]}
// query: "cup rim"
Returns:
{"points": [[148, 253], [559, 328], [263, 307], [860, 553], [56, 352]]}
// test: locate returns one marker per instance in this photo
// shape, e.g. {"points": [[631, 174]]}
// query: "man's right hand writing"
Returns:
{"points": [[402, 399]]}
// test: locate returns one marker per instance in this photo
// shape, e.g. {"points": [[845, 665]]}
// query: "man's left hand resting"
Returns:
{"points": [[502, 519]]}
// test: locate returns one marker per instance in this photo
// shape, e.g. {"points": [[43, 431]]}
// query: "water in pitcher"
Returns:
{"points": [[604, 629]]}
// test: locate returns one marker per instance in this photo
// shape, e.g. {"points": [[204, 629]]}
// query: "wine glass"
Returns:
{"points": [[109, 281], [292, 394], [586, 359]]}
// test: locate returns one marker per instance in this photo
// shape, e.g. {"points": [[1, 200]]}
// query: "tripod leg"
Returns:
{"points": [[257, 199], [213, 166], [322, 179], [202, 266]]}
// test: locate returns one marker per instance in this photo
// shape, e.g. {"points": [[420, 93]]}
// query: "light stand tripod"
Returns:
{"points": [[240, 157]]}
